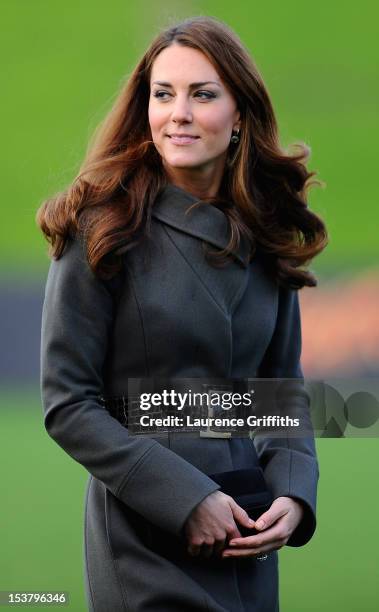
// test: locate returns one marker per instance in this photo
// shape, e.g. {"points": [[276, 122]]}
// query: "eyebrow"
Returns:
{"points": [[191, 86]]}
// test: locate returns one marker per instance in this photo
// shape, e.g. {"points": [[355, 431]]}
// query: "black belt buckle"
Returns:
{"points": [[214, 411]]}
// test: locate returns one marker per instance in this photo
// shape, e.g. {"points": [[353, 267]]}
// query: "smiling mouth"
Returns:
{"points": [[183, 140]]}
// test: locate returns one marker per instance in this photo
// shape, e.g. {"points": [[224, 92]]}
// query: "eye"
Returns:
{"points": [[156, 94], [203, 94], [208, 94]]}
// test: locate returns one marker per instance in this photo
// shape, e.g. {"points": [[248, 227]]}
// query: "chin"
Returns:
{"points": [[182, 162]]}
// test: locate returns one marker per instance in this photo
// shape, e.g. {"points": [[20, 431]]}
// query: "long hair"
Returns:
{"points": [[263, 190]]}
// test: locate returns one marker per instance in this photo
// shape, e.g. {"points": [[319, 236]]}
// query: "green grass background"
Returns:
{"points": [[62, 65]]}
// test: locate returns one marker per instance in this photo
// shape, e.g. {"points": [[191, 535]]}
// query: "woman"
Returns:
{"points": [[145, 284]]}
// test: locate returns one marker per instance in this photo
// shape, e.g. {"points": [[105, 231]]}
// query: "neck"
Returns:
{"points": [[195, 181]]}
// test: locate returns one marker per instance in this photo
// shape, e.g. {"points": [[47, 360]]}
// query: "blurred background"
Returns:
{"points": [[63, 64]]}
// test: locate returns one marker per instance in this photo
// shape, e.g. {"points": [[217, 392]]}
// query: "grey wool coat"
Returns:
{"points": [[175, 316]]}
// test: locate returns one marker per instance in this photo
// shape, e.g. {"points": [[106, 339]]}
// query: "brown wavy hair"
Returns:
{"points": [[263, 189]]}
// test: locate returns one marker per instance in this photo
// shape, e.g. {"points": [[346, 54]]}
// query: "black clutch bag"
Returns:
{"points": [[249, 489]]}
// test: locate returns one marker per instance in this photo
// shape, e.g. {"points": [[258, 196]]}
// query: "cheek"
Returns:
{"points": [[155, 120], [217, 125]]}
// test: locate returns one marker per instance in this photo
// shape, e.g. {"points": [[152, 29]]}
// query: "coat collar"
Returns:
{"points": [[206, 222]]}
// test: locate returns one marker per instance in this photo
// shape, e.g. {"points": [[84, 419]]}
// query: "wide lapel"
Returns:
{"points": [[206, 221]]}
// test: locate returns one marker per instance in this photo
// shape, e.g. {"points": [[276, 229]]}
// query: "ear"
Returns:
{"points": [[237, 124]]}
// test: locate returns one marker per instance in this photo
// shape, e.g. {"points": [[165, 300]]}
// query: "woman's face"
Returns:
{"points": [[188, 97]]}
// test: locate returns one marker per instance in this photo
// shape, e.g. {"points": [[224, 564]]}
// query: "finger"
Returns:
{"points": [[233, 532], [194, 549], [268, 536], [252, 552], [275, 512], [241, 515], [219, 546]]}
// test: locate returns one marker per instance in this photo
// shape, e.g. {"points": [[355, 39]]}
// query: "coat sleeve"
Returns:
{"points": [[77, 316], [290, 464]]}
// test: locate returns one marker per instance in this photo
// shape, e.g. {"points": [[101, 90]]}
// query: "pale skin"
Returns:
{"points": [[212, 527], [209, 112]]}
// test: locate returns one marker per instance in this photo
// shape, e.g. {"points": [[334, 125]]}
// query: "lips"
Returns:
{"points": [[182, 139]]}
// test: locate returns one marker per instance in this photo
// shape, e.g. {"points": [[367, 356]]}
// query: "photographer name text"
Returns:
{"points": [[190, 421]]}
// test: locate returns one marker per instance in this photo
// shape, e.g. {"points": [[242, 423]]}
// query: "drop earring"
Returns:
{"points": [[235, 138]]}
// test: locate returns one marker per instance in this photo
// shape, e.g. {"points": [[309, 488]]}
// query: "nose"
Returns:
{"points": [[181, 110]]}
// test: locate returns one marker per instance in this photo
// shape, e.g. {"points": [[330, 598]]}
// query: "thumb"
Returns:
{"points": [[241, 515], [263, 521], [270, 516]]}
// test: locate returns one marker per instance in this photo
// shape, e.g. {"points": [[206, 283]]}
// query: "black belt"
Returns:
{"points": [[119, 405], [126, 408], [119, 408]]}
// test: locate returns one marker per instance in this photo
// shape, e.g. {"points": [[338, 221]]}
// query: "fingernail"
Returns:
{"points": [[260, 524], [232, 543], [251, 522]]}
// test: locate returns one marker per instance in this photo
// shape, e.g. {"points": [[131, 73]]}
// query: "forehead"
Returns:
{"points": [[178, 63]]}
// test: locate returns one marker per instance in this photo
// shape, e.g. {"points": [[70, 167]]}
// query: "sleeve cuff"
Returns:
{"points": [[294, 474], [306, 528], [175, 485]]}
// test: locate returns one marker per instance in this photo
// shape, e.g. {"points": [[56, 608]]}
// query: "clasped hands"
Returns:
{"points": [[212, 528]]}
